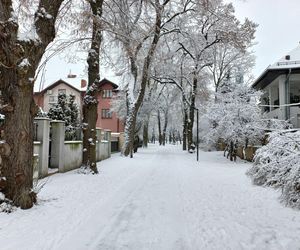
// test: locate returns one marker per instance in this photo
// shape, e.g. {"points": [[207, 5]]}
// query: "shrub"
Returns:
{"points": [[277, 164]]}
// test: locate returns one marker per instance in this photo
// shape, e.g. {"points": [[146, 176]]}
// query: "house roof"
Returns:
{"points": [[105, 81], [288, 63], [75, 83], [69, 82]]}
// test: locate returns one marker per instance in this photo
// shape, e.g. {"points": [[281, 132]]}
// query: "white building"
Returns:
{"points": [[281, 85]]}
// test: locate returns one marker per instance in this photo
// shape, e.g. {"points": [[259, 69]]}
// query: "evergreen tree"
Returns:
{"points": [[59, 110], [74, 110], [66, 110]]}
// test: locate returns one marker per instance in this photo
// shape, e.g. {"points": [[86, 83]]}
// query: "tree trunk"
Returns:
{"points": [[160, 137], [130, 129], [184, 132], [165, 128], [191, 119], [90, 101], [19, 60], [17, 151], [153, 137], [131, 119], [145, 134], [179, 137]]}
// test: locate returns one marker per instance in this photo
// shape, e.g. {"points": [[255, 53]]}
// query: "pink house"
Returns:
{"points": [[106, 118], [72, 85]]}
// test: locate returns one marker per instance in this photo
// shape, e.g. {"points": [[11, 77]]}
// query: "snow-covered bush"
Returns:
{"points": [[66, 110], [291, 189], [233, 115], [277, 164], [41, 113]]}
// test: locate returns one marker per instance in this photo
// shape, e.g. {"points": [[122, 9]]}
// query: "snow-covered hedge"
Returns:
{"points": [[277, 164]]}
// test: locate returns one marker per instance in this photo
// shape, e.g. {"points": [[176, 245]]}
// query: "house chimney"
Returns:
{"points": [[287, 57], [83, 83], [70, 75]]}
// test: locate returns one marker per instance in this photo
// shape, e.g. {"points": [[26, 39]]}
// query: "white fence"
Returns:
{"points": [[60, 154]]}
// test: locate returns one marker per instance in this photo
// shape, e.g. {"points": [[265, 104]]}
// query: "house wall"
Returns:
{"points": [[39, 99], [278, 89], [114, 123], [69, 90]]}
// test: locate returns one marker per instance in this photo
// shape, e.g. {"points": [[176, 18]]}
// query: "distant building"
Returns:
{"points": [[72, 85], [48, 96], [281, 85]]}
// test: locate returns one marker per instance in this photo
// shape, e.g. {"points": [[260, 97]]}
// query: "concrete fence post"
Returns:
{"points": [[121, 141], [108, 138], [57, 145], [42, 135]]}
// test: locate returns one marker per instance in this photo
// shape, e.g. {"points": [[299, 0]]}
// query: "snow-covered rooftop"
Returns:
{"points": [[290, 60], [74, 82]]}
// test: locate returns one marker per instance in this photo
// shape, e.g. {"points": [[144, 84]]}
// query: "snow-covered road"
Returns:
{"points": [[161, 199]]}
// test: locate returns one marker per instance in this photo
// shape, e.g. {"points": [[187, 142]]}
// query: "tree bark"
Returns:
{"points": [[190, 124], [184, 132], [19, 60], [165, 128], [90, 101], [131, 118], [160, 137], [179, 137], [145, 134]]}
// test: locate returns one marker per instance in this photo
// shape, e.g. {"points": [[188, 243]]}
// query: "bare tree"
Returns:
{"points": [[138, 27], [20, 55], [212, 22], [90, 101], [228, 59]]}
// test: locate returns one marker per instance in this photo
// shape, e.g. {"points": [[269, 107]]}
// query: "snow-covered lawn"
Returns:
{"points": [[161, 199]]}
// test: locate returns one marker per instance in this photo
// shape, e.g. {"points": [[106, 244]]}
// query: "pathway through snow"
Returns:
{"points": [[161, 199]]}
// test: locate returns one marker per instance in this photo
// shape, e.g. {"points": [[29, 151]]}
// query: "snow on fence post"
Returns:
{"points": [[57, 145], [43, 130]]}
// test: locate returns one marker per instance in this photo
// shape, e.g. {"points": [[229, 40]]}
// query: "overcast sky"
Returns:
{"points": [[277, 34], [278, 31]]}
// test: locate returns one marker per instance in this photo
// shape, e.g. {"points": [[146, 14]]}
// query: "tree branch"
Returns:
{"points": [[186, 50], [5, 10], [45, 18]]}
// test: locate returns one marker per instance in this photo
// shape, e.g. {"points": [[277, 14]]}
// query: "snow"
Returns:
{"points": [[28, 35], [294, 61], [24, 63], [161, 199], [43, 13]]}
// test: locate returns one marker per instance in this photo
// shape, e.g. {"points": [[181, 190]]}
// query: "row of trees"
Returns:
{"points": [[168, 52], [199, 44]]}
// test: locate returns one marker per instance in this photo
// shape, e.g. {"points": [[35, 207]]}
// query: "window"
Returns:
{"points": [[62, 91], [52, 99], [106, 114], [107, 93]]}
